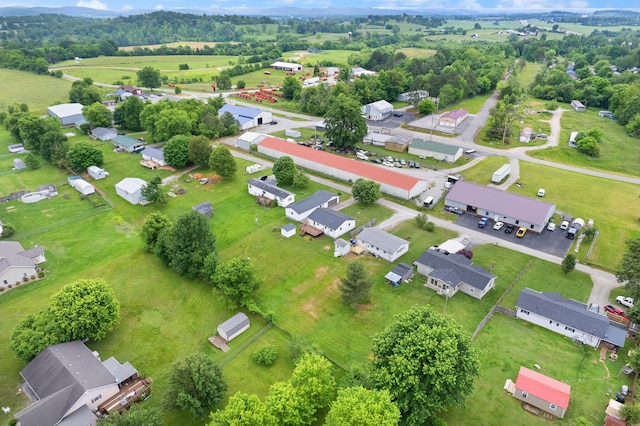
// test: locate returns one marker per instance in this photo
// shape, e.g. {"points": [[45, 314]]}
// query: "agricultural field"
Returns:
{"points": [[18, 87]]}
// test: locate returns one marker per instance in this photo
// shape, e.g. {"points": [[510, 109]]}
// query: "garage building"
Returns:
{"points": [[68, 114], [436, 150], [498, 205], [347, 169], [247, 117]]}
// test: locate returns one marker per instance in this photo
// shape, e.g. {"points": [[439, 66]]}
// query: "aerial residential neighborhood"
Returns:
{"points": [[319, 217]]}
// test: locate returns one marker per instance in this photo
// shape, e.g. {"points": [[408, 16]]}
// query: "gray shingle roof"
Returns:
{"points": [[288, 227], [13, 254], [316, 200], [204, 208], [502, 202], [455, 269], [329, 218], [272, 189], [339, 242], [571, 313], [157, 153], [383, 240]]}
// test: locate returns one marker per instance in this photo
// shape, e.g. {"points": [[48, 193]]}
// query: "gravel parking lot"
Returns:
{"points": [[555, 243]]}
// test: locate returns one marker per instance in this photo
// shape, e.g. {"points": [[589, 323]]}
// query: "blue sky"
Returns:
{"points": [[487, 5]]}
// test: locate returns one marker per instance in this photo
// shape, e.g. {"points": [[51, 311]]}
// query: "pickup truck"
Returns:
{"points": [[625, 301], [483, 222]]}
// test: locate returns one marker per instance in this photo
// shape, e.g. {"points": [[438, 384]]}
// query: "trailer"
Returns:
{"points": [[254, 168], [500, 174]]}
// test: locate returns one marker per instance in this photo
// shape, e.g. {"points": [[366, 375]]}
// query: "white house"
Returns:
{"points": [[247, 117], [68, 114], [81, 185], [68, 384], [436, 150], [382, 244], [97, 173], [155, 155], [131, 190], [330, 222], [104, 133], [303, 208], [449, 273], [127, 143], [261, 188], [378, 110], [16, 263], [234, 326], [569, 318]]}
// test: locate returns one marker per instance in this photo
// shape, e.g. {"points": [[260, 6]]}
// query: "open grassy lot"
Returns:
{"points": [[163, 63], [501, 358], [415, 52], [619, 152], [528, 73], [335, 57], [611, 206], [18, 87], [539, 123], [472, 105]]}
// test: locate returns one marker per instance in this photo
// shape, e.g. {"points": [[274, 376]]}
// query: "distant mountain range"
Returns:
{"points": [[275, 12]]}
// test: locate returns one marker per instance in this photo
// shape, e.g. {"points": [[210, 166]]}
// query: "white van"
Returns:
{"points": [[428, 202]]}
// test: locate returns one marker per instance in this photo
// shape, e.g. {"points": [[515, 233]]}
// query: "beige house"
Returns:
{"points": [[16, 263]]}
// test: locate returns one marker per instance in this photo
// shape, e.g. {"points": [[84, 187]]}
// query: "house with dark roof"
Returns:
{"points": [[377, 111], [449, 273], [303, 208], [234, 326], [127, 143], [330, 222], [155, 155], [261, 188], [452, 118], [431, 149], [400, 273], [247, 117], [382, 244], [569, 318], [68, 114], [67, 383], [104, 133], [518, 210], [205, 208], [542, 392], [16, 263], [347, 169]]}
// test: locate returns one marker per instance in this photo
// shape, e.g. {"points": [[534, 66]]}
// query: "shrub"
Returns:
{"points": [[266, 355], [8, 230], [13, 422], [430, 227], [40, 274]]}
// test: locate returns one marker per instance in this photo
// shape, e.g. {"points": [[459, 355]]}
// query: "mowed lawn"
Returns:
{"points": [[37, 91], [619, 152]]}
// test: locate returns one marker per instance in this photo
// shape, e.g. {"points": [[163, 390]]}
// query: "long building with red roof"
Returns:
{"points": [[391, 182], [543, 392]]}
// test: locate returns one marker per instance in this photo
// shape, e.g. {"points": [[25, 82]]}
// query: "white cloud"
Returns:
{"points": [[542, 4], [92, 4], [159, 7], [469, 4], [127, 7]]}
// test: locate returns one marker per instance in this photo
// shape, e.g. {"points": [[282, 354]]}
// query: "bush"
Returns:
{"points": [[13, 422], [266, 355], [8, 230], [430, 227], [40, 274]]}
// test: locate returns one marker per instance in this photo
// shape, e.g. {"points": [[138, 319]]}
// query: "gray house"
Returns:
{"points": [[234, 326], [498, 205], [261, 188], [303, 208], [16, 263], [329, 222], [449, 273], [382, 244], [569, 318], [104, 133]]}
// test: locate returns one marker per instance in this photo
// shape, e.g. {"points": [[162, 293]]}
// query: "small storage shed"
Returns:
{"points": [[130, 189], [288, 230], [81, 185], [97, 173], [341, 247], [292, 133], [400, 273], [578, 106], [247, 139], [16, 147], [204, 208], [525, 134], [234, 326], [18, 164]]}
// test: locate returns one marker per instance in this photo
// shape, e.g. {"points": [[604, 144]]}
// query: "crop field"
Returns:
{"points": [[414, 52], [163, 63]]}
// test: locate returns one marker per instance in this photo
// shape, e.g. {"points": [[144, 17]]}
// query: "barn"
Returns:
{"points": [[377, 110], [286, 66], [68, 114], [346, 169], [247, 117]]}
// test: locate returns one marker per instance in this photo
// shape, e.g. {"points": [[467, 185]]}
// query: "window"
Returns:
{"points": [[524, 312], [471, 290], [552, 406], [517, 222], [5, 281], [524, 394], [570, 329], [531, 226]]}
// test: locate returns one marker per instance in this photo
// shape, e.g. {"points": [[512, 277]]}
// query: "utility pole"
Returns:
{"points": [[258, 229]]}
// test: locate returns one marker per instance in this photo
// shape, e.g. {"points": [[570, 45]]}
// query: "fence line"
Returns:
{"points": [[246, 344], [497, 306]]}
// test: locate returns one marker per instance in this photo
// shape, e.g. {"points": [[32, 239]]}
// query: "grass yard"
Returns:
{"points": [[472, 105], [539, 123], [18, 87], [528, 73], [416, 52], [163, 63], [591, 381], [335, 57], [619, 152]]}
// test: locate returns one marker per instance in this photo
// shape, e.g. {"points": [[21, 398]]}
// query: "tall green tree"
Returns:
{"points": [[137, 415], [313, 379], [127, 113], [427, 363], [344, 123], [289, 406], [568, 263], [153, 193], [149, 77], [356, 285], [176, 151], [84, 92], [82, 155], [153, 225], [196, 384], [98, 115], [363, 407], [629, 268], [237, 279], [366, 191], [171, 122], [243, 410], [291, 88], [199, 150], [53, 146], [284, 170], [222, 162]]}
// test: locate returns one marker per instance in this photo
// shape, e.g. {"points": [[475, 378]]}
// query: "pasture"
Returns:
{"points": [[37, 91]]}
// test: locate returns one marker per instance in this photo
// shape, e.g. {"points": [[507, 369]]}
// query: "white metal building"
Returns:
{"points": [[436, 150], [68, 114], [131, 189], [378, 110]]}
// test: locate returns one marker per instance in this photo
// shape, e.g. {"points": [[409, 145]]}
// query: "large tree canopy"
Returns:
{"points": [[629, 269], [222, 162], [176, 151], [284, 170], [83, 155], [97, 115], [237, 279], [344, 123], [243, 410], [427, 363], [199, 150], [149, 77], [363, 407], [366, 191]]}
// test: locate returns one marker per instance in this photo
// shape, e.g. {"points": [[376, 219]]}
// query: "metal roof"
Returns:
{"points": [[319, 198], [435, 146], [329, 218], [126, 141], [131, 185], [383, 240], [544, 387], [504, 203], [271, 189], [66, 110], [239, 111], [233, 324], [455, 114], [156, 153]]}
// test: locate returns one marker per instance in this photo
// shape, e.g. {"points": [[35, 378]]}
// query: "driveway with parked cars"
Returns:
{"points": [[552, 242]]}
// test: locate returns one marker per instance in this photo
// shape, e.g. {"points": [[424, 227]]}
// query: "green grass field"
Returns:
{"points": [[37, 91]]}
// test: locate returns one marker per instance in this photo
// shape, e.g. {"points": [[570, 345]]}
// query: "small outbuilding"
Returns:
{"points": [[288, 230], [16, 147], [542, 392], [248, 139], [402, 272], [131, 190], [578, 106], [81, 185], [234, 326], [341, 247], [525, 134], [18, 164], [398, 143], [97, 173], [205, 208], [452, 118]]}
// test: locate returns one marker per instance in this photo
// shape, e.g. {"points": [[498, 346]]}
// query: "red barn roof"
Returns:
{"points": [[543, 387], [360, 168], [455, 114]]}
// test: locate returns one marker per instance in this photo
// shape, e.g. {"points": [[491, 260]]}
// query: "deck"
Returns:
{"points": [[308, 229], [219, 343], [129, 393]]}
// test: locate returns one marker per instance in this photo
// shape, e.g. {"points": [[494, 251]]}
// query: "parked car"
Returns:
{"points": [[521, 232], [551, 226], [509, 228], [483, 222], [416, 165], [564, 225], [616, 311], [594, 307], [625, 301], [454, 210], [541, 192], [498, 226]]}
